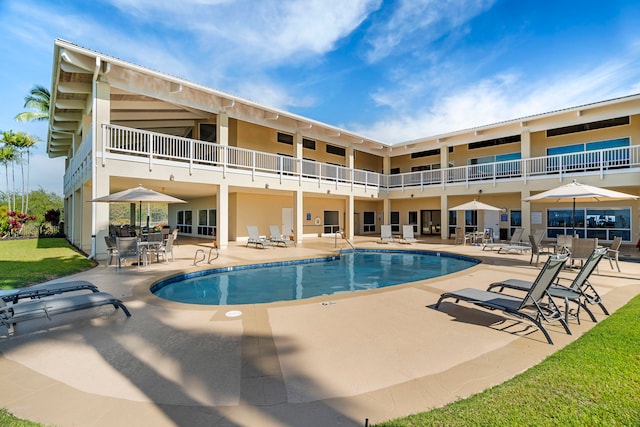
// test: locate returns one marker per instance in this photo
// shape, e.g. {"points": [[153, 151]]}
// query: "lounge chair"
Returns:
{"points": [[278, 239], [385, 234], [531, 307], [579, 291], [45, 290], [255, 239], [613, 251], [515, 242], [10, 315], [407, 234], [112, 251], [537, 250]]}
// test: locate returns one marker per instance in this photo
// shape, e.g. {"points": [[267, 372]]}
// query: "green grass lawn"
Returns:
{"points": [[26, 262], [594, 381]]}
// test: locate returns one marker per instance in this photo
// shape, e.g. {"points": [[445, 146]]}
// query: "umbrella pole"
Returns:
{"points": [[573, 217]]}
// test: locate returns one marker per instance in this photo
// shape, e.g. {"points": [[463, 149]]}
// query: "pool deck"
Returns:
{"points": [[325, 361]]}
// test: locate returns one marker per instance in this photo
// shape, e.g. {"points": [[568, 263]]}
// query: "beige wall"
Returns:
{"points": [[316, 207]]}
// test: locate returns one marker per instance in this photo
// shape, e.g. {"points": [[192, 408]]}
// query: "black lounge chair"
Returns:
{"points": [[579, 291], [531, 307], [10, 315], [45, 290]]}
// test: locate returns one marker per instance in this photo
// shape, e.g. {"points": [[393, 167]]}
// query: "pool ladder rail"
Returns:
{"points": [[200, 251]]}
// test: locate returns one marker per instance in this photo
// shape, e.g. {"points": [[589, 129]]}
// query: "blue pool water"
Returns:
{"points": [[294, 280]]}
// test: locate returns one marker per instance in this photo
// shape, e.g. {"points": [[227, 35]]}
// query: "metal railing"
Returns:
{"points": [[154, 146]]}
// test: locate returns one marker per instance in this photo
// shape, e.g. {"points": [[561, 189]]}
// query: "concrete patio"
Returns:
{"points": [[332, 360]]}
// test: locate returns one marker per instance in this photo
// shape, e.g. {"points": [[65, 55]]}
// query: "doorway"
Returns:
{"points": [[430, 221]]}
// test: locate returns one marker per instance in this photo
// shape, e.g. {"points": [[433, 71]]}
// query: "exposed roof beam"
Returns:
{"points": [[67, 117], [146, 124], [66, 87], [87, 64], [70, 104], [154, 115]]}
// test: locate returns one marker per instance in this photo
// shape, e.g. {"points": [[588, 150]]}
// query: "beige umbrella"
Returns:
{"points": [[138, 194], [474, 205], [584, 193]]}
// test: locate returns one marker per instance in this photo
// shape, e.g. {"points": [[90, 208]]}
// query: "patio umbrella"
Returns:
{"points": [[474, 205], [138, 194], [584, 193]]}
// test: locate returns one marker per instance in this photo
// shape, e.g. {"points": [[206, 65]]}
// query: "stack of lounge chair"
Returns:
{"points": [[51, 299], [535, 306], [515, 244], [278, 238]]}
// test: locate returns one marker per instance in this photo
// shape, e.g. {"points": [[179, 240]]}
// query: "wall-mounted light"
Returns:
{"points": [[172, 178], [412, 196], [328, 191], [266, 186], [503, 210]]}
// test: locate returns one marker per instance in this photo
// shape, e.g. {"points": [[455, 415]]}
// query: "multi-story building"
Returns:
{"points": [[239, 163]]}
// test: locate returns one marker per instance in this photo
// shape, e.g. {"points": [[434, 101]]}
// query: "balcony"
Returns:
{"points": [[191, 153]]}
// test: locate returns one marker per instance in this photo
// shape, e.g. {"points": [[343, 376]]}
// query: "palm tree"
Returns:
{"points": [[23, 142], [7, 155], [38, 99]]}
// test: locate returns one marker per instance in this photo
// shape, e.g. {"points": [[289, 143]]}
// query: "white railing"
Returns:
{"points": [[153, 146]]}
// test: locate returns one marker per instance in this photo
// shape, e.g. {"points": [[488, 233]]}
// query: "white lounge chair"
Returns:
{"points": [[514, 243], [278, 239], [45, 289], [255, 239], [407, 234], [385, 234]]}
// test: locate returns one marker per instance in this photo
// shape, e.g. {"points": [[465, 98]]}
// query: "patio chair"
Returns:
{"points": [[537, 250], [515, 241], [531, 307], [613, 251], [175, 236], [112, 251], [581, 250], [45, 290], [385, 234], [564, 243], [10, 315], [278, 239], [579, 291], [407, 235], [165, 249], [127, 247], [460, 237], [255, 239]]}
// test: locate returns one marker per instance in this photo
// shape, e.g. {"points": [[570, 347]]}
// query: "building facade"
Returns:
{"points": [[238, 163]]}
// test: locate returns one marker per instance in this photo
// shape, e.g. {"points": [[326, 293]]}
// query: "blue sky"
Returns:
{"points": [[392, 70]]}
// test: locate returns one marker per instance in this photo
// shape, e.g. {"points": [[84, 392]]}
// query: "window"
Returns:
{"points": [[586, 156], [331, 222], [602, 223], [619, 121], [494, 142], [338, 151], [394, 171], [285, 138], [470, 221], [208, 132], [507, 165], [413, 220], [453, 222], [308, 143], [394, 220], [207, 222], [369, 222], [184, 221], [421, 168], [515, 221]]}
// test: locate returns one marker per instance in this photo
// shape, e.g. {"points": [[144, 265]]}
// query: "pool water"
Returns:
{"points": [[295, 280]]}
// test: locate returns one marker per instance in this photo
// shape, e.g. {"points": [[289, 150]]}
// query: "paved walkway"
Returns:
{"points": [[333, 360]]}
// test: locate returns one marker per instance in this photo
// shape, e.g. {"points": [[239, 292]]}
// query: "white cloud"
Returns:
{"points": [[503, 97], [424, 20]]}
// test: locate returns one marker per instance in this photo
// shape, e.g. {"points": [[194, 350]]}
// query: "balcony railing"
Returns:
{"points": [[155, 146]]}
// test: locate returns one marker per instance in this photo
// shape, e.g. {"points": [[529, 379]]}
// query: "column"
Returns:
{"points": [[349, 225], [222, 129], [101, 114], [222, 211], [444, 217], [525, 208], [298, 215]]}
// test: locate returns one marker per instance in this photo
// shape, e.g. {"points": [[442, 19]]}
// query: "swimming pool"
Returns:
{"points": [[293, 280]]}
